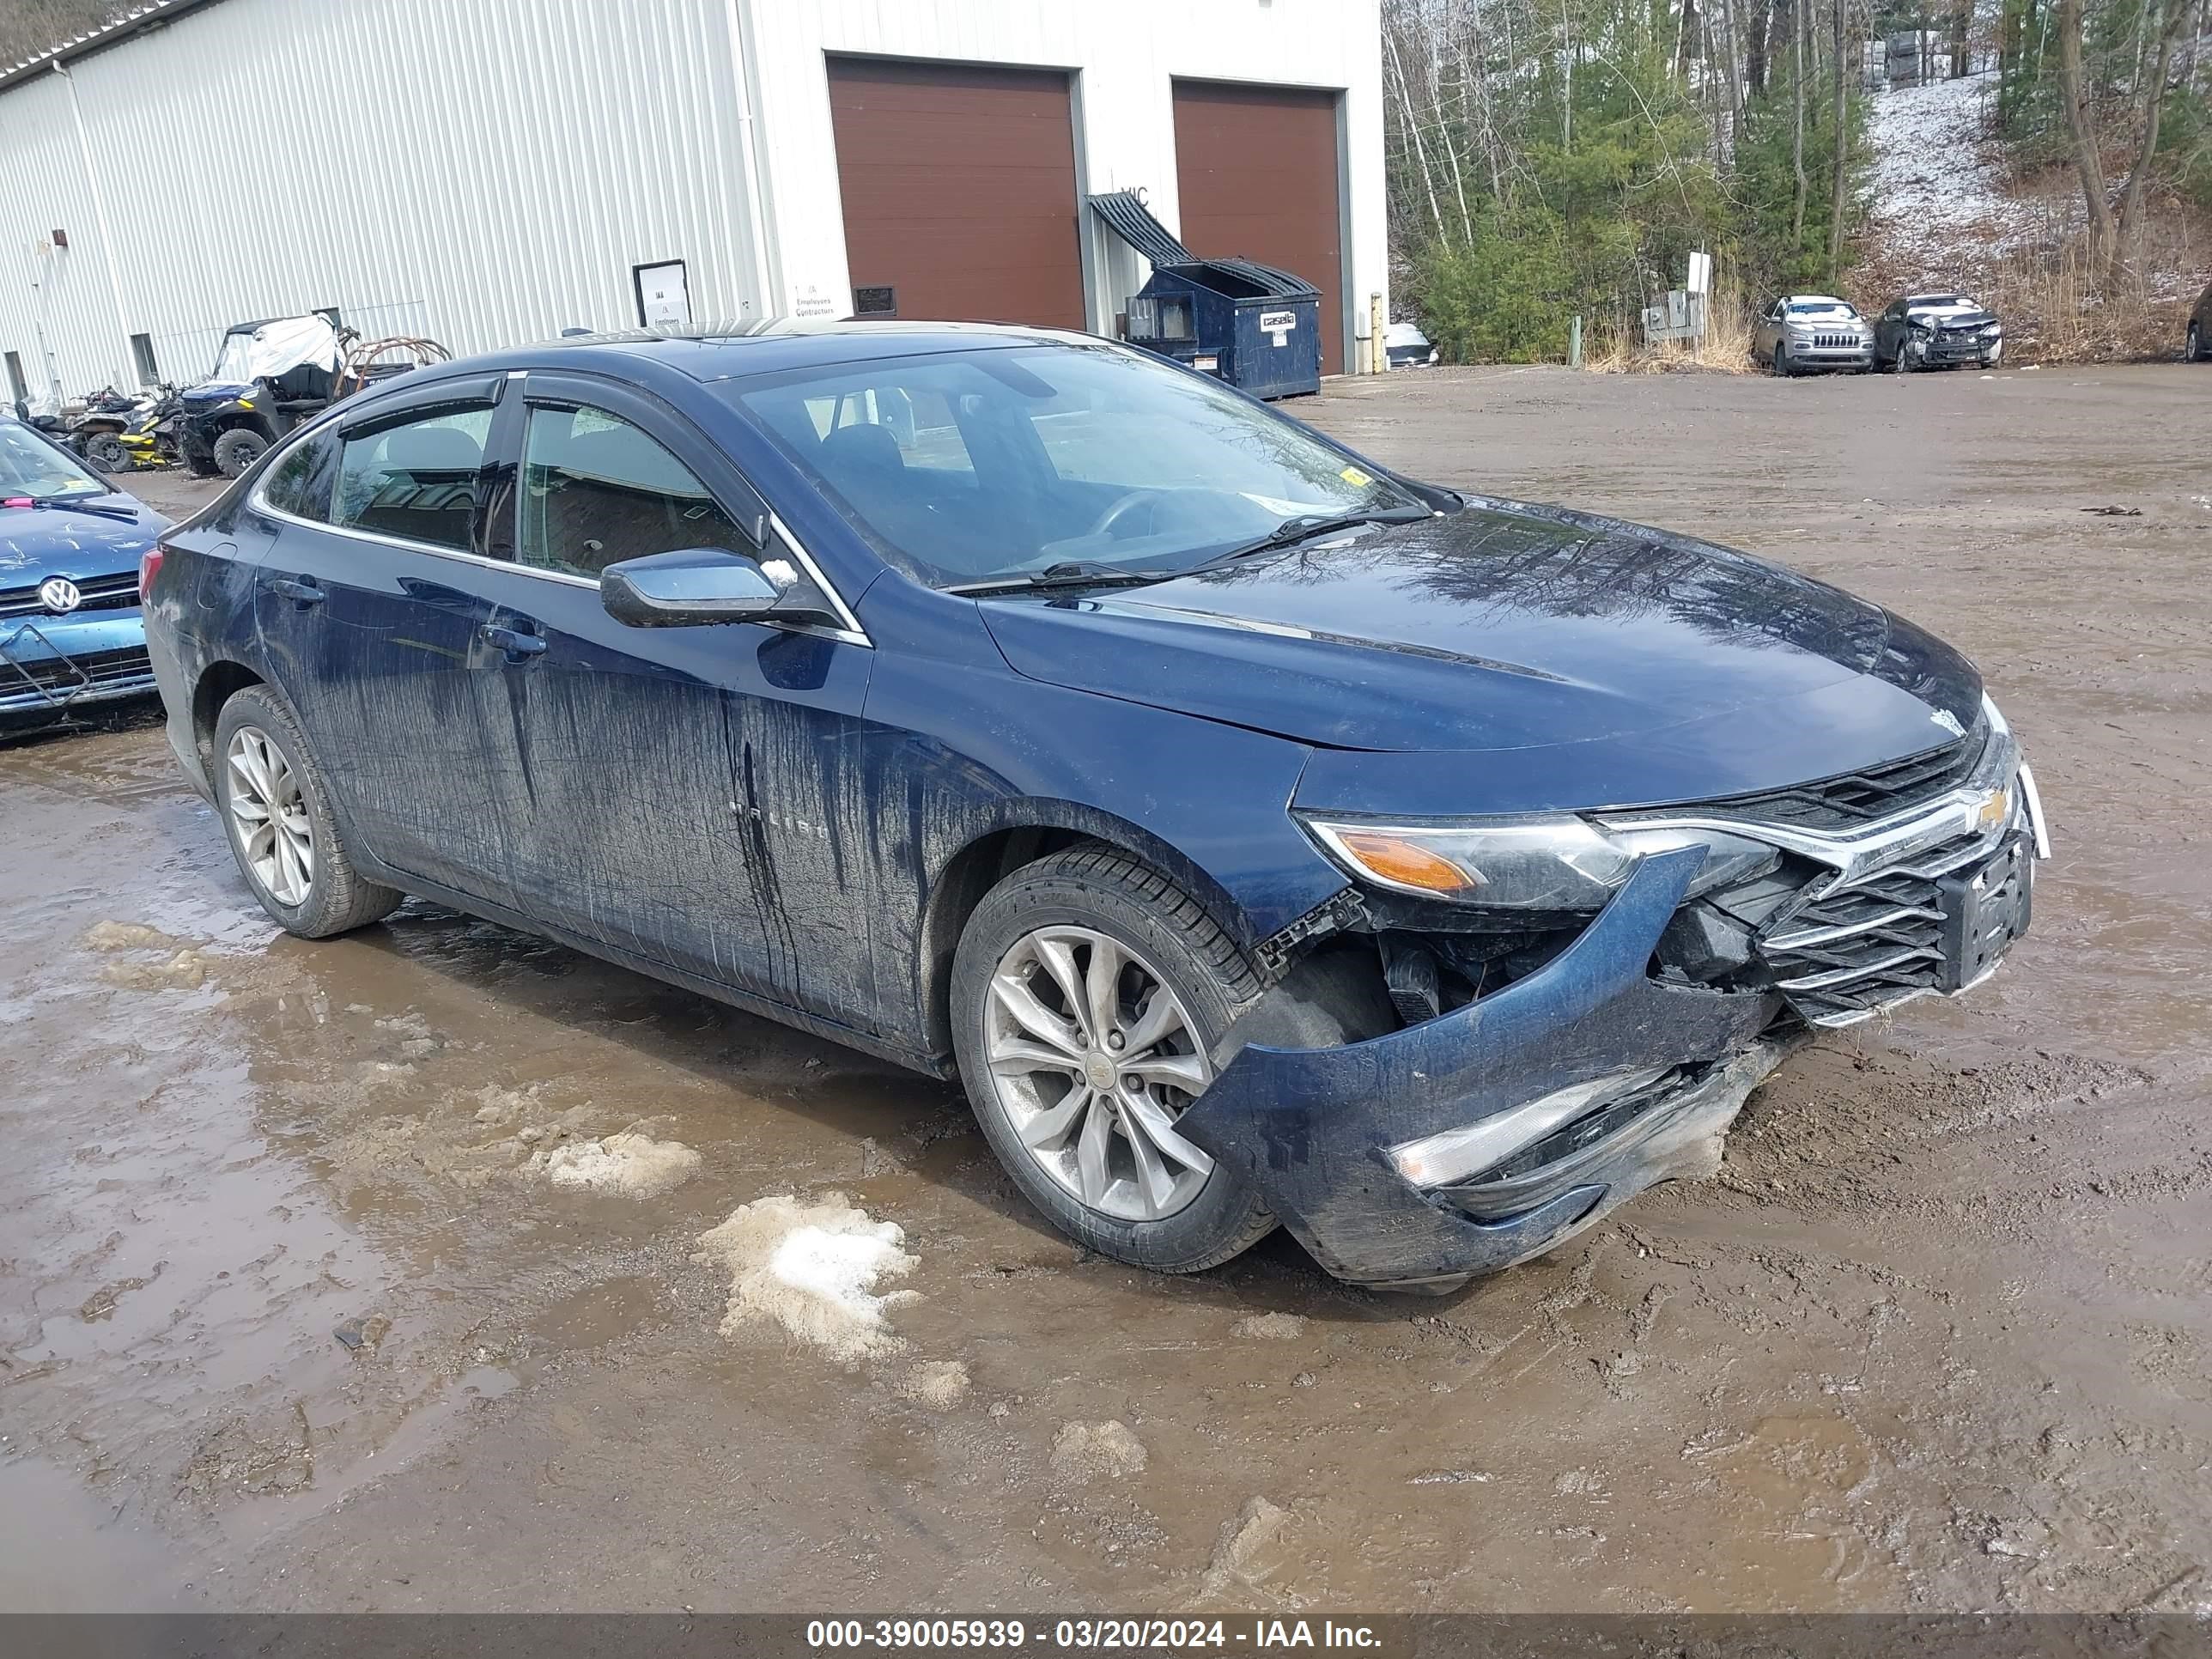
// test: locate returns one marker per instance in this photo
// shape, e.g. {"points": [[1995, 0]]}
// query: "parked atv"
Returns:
{"points": [[269, 377], [97, 432], [151, 439]]}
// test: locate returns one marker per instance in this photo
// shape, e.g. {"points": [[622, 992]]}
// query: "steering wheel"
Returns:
{"points": [[1122, 505]]}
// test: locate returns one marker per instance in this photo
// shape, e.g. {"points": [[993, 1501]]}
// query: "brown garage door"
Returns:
{"points": [[1256, 168], [959, 188]]}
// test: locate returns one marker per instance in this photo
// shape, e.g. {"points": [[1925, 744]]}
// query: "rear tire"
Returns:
{"points": [[237, 450], [269, 789], [104, 450], [1040, 930]]}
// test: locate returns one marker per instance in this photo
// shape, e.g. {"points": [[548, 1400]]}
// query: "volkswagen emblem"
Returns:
{"points": [[59, 595]]}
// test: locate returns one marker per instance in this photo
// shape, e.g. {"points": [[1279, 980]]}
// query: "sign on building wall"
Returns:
{"points": [[663, 294]]}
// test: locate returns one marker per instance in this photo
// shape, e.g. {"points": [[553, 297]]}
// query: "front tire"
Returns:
{"points": [[105, 450], [1088, 993], [2193, 351], [1779, 363], [237, 450], [276, 807]]}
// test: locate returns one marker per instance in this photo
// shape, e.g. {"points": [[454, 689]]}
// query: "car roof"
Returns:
{"points": [[721, 351]]}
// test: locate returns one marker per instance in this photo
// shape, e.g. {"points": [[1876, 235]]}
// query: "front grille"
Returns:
{"points": [[99, 593], [65, 676], [1835, 342], [1873, 791], [1841, 951]]}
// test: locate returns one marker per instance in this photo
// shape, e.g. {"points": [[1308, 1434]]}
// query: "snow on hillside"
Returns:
{"points": [[1936, 190]]}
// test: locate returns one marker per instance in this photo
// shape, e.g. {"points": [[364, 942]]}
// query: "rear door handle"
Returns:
{"points": [[302, 594], [518, 647]]}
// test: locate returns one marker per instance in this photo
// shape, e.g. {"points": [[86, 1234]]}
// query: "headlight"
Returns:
{"points": [[1552, 863], [1990, 331]]}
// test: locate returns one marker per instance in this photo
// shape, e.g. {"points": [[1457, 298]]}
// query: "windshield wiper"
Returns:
{"points": [[70, 504], [1306, 526], [1068, 572]]}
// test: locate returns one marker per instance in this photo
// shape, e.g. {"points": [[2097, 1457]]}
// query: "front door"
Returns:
{"points": [[689, 793], [371, 605]]}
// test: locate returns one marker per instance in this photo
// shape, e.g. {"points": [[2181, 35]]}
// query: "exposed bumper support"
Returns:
{"points": [[1309, 1127]]}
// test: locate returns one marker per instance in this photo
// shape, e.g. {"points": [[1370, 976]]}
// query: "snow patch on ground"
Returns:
{"points": [[1937, 189], [812, 1269], [634, 1165], [939, 1384], [1084, 1452], [1275, 1327]]}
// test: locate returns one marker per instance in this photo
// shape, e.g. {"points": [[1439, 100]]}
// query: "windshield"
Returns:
{"points": [[1820, 308], [231, 362], [963, 467], [1942, 302], [29, 465]]}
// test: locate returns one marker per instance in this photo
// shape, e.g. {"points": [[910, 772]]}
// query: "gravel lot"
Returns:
{"points": [[296, 1313]]}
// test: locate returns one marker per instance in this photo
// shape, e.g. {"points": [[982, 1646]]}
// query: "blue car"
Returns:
{"points": [[1262, 837], [70, 546]]}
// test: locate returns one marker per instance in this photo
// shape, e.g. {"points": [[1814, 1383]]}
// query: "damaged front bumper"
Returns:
{"points": [[1313, 1129], [1469, 1141], [51, 668]]}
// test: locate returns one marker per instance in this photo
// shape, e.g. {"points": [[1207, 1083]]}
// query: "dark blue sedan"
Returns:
{"points": [[70, 545], [1261, 835]]}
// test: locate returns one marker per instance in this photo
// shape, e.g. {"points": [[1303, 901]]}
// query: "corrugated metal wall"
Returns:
{"points": [[489, 171], [479, 172]]}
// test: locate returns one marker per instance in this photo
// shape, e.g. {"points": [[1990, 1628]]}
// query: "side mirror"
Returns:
{"points": [[703, 585]]}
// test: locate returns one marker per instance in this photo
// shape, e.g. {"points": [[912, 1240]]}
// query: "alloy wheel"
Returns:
{"points": [[271, 813], [1094, 1056]]}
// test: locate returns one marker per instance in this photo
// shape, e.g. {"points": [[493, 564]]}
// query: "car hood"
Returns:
{"points": [[217, 391], [1585, 660], [1950, 316], [38, 542]]}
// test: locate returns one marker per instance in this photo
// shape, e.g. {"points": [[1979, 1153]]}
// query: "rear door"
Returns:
{"points": [[688, 793], [371, 605]]}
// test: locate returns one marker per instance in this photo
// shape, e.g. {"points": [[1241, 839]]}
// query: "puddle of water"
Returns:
{"points": [[63, 1549]]}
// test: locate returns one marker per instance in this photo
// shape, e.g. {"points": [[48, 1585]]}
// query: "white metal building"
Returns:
{"points": [[487, 172]]}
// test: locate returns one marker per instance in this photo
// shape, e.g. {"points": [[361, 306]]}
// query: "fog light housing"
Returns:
{"points": [[1452, 1155]]}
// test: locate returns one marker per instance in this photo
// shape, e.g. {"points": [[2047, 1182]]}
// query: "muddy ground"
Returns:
{"points": [[293, 1315]]}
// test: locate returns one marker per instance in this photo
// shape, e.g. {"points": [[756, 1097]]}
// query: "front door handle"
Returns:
{"points": [[518, 647], [303, 594]]}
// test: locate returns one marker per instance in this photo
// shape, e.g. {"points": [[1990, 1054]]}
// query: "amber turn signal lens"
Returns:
{"points": [[1404, 860]]}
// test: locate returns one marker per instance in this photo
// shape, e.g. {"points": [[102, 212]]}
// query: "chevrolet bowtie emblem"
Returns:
{"points": [[1995, 810]]}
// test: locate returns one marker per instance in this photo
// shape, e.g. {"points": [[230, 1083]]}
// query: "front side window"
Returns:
{"points": [[29, 465], [596, 490], [417, 481], [971, 466]]}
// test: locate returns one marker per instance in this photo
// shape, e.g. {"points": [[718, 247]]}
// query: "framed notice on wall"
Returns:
{"points": [[663, 294]]}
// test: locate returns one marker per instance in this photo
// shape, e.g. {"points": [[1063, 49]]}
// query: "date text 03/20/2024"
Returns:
{"points": [[1089, 1635]]}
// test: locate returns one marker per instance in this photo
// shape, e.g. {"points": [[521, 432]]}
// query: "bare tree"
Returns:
{"points": [[1797, 115], [1842, 161], [2082, 129], [2128, 237]]}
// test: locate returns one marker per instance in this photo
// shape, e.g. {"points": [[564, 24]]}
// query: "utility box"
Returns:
{"points": [[1256, 327]]}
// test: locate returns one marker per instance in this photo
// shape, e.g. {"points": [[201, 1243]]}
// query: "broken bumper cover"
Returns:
{"points": [[1312, 1128], [50, 668]]}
